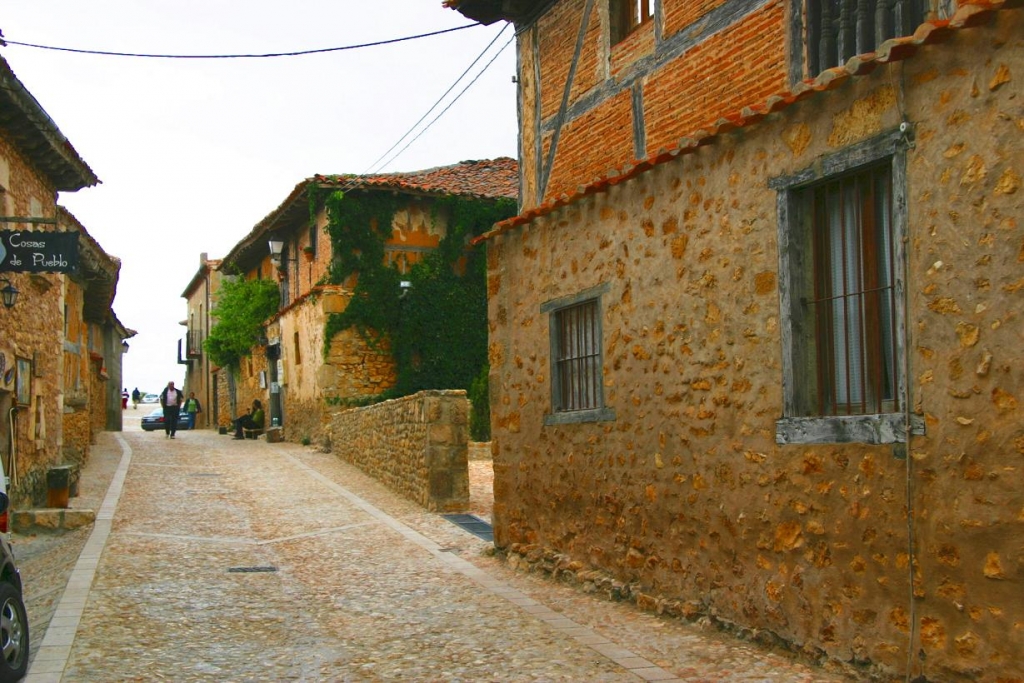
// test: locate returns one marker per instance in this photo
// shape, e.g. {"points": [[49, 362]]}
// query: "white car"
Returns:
{"points": [[150, 398]]}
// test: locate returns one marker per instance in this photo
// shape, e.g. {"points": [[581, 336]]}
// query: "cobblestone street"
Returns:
{"points": [[250, 561]]}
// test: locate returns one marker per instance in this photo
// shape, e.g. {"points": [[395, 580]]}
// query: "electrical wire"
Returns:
{"points": [[375, 165], [297, 53], [443, 111]]}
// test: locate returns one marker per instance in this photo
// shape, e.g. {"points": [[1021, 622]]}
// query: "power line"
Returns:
{"points": [[445, 110], [241, 56], [375, 164]]}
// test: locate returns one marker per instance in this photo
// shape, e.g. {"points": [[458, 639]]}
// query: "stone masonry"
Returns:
{"points": [[416, 445], [686, 494]]}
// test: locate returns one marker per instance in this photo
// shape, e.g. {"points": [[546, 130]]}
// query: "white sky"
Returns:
{"points": [[194, 153]]}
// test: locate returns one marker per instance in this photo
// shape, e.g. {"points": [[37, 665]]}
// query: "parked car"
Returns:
{"points": [[155, 420], [14, 642], [150, 398]]}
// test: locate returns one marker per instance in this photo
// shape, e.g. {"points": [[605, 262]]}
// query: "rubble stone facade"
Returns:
{"points": [[416, 445], [685, 489]]}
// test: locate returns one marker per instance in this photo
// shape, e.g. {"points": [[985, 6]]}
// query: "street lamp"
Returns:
{"points": [[9, 293]]}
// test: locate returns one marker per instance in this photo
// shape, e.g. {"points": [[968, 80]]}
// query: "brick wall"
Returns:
{"points": [[703, 67], [741, 65], [592, 144], [415, 445], [685, 502], [558, 31]]}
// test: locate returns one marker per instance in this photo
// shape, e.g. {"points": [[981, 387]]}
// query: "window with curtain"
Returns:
{"points": [[853, 300], [842, 266]]}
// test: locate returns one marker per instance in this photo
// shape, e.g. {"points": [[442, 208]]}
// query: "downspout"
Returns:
{"points": [[12, 476], [908, 432]]}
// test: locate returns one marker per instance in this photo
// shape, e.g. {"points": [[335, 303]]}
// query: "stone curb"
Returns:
{"points": [[50, 519]]}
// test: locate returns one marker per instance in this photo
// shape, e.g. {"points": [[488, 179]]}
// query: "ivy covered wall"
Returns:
{"points": [[436, 326]]}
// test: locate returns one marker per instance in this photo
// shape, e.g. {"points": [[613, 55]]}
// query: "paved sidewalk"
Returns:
{"points": [[367, 585]]}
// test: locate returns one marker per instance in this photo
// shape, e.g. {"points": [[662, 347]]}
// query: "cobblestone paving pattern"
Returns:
{"points": [[338, 590]]}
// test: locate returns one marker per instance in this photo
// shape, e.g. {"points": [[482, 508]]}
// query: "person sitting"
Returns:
{"points": [[251, 420]]}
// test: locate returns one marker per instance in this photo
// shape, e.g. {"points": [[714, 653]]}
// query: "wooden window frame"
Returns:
{"points": [[855, 27], [626, 16], [813, 411]]}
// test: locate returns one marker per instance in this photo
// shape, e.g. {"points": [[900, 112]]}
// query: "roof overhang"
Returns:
{"points": [[490, 11], [34, 134]]}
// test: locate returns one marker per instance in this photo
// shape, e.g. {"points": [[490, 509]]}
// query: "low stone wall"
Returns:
{"points": [[416, 446]]}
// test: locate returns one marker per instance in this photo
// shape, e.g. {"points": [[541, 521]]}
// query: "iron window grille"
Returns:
{"points": [[577, 363], [578, 359], [627, 15]]}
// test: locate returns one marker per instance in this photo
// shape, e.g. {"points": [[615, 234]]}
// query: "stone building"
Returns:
{"points": [[199, 373], [756, 334], [296, 373], [60, 343], [94, 342]]}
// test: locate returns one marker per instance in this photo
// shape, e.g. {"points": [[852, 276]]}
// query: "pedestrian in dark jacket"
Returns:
{"points": [[171, 400]]}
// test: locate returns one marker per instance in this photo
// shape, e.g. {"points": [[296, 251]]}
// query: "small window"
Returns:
{"points": [[295, 345], [312, 238], [626, 16], [577, 368], [577, 361]]}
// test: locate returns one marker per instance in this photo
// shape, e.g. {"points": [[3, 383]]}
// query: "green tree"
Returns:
{"points": [[242, 307]]}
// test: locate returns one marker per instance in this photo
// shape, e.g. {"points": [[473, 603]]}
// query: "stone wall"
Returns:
{"points": [[686, 495], [33, 330], [302, 351], [415, 445]]}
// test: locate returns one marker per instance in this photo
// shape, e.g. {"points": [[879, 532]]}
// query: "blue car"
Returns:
{"points": [[155, 421]]}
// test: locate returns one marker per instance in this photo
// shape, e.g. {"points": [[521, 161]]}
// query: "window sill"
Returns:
{"points": [[870, 429], [579, 417]]}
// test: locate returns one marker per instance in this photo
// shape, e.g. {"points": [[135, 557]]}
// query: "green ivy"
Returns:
{"points": [[438, 328], [242, 307], [479, 398]]}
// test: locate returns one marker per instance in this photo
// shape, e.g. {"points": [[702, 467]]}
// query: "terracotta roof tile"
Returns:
{"points": [[974, 13], [486, 179], [489, 178]]}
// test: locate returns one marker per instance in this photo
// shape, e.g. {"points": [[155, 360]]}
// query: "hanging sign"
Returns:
{"points": [[23, 251]]}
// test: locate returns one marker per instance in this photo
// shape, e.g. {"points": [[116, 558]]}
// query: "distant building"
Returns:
{"points": [[297, 373]]}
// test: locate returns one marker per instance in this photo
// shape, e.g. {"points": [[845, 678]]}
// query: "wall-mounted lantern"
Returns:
{"points": [[9, 293]]}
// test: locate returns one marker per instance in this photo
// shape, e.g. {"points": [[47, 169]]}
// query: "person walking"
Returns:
{"points": [[252, 420], [171, 400], [136, 397], [124, 398], [192, 407]]}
